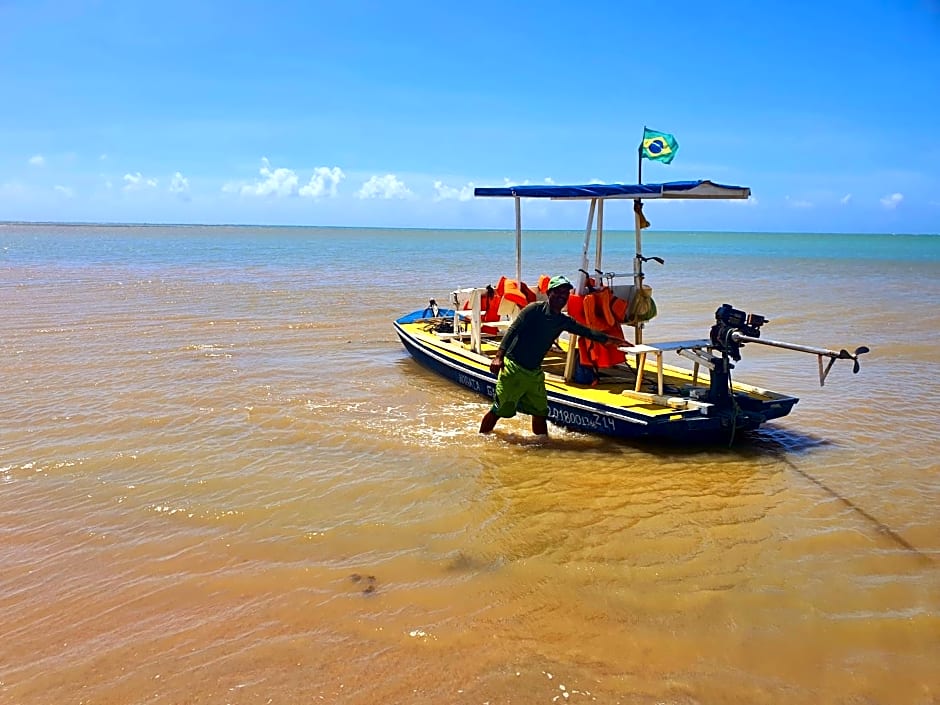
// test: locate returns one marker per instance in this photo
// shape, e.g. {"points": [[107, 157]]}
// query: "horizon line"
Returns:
{"points": [[131, 224]]}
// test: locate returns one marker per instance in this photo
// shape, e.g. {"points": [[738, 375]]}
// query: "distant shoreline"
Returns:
{"points": [[80, 224]]}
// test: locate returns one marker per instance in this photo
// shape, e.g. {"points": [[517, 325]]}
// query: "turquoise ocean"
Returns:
{"points": [[223, 480]]}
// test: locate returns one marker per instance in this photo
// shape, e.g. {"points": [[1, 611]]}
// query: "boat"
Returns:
{"points": [[631, 391]]}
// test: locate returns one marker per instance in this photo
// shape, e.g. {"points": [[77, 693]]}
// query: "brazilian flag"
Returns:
{"points": [[658, 146]]}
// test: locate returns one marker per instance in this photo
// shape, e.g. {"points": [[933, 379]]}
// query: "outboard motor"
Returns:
{"points": [[729, 324]]}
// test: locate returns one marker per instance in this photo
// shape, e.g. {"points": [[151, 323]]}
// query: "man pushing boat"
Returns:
{"points": [[520, 385]]}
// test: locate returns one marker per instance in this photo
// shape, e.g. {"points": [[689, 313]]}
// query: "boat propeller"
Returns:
{"points": [[846, 355]]}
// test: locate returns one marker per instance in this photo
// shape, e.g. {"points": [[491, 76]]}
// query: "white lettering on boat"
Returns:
{"points": [[583, 419], [468, 381]]}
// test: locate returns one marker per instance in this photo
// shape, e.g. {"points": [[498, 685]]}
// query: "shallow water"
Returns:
{"points": [[222, 480]]}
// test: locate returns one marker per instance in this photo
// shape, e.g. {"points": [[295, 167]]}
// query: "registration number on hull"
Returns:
{"points": [[582, 419]]}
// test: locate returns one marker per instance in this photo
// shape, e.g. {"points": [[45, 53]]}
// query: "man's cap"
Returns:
{"points": [[558, 281]]}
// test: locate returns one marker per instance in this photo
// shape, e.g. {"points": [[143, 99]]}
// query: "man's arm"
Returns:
{"points": [[589, 333]]}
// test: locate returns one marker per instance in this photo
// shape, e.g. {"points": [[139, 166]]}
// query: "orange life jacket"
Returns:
{"points": [[511, 290], [576, 307], [516, 291], [603, 311]]}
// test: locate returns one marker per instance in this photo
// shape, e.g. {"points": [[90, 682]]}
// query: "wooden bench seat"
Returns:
{"points": [[657, 349]]}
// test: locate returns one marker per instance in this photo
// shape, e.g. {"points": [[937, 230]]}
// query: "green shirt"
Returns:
{"points": [[531, 335]]}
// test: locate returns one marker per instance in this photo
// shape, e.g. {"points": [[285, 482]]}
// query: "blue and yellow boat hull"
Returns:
{"points": [[608, 407]]}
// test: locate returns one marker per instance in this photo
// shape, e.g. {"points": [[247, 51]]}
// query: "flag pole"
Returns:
{"points": [[639, 161], [637, 262]]}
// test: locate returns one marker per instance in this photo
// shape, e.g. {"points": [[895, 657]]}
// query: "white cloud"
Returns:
{"points": [[387, 186], [547, 180], [798, 203], [136, 182], [891, 202], [37, 160], [179, 185], [846, 199], [64, 190], [445, 192], [323, 182], [279, 182], [103, 158]]}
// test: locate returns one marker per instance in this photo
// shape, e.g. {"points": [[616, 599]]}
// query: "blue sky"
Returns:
{"points": [[387, 114]]}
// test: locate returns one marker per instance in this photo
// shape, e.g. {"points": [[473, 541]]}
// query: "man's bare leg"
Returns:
{"points": [[488, 422], [539, 426]]}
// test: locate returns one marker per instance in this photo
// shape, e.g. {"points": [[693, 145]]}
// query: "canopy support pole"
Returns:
{"points": [[638, 266], [582, 277], [581, 289], [599, 247], [518, 239]]}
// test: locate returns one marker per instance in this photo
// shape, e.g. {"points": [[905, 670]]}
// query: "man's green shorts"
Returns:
{"points": [[519, 389]]}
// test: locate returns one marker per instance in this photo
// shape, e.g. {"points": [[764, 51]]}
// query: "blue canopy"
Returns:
{"points": [[672, 189]]}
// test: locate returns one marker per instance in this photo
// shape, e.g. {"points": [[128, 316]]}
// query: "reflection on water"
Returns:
{"points": [[774, 438]]}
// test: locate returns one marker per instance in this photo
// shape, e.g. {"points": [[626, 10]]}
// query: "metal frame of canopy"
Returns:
{"points": [[597, 194]]}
